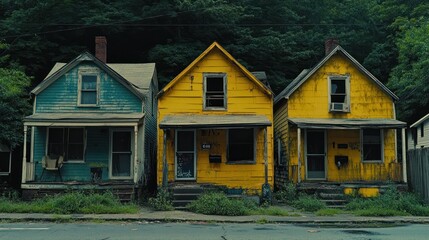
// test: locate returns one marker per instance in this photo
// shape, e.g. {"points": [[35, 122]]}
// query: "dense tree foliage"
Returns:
{"points": [[14, 104], [281, 37]]}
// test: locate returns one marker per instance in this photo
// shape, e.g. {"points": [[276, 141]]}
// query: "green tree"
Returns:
{"points": [[14, 103]]}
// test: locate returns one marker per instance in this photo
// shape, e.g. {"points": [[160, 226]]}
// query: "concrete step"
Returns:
{"points": [[180, 203], [185, 196], [323, 195]]}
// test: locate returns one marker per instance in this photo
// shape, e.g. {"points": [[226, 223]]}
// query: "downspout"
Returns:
{"points": [[299, 153]]}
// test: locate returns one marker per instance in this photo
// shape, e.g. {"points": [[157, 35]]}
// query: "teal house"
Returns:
{"points": [[93, 126]]}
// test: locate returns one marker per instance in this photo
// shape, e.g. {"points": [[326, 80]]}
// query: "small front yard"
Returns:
{"points": [[68, 203]]}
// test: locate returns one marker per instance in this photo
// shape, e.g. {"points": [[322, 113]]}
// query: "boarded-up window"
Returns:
{"points": [[67, 142], [241, 145], [372, 145], [214, 91]]}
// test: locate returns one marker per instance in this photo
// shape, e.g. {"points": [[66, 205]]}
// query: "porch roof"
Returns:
{"points": [[83, 119], [214, 121], [341, 123]]}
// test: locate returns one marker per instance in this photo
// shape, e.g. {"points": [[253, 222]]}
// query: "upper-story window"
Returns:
{"points": [[88, 87], [214, 91], [339, 94]]}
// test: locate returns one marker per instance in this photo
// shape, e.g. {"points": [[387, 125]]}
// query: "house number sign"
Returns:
{"points": [[206, 146]]}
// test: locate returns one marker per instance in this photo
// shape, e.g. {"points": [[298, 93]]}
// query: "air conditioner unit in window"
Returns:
{"points": [[339, 107]]}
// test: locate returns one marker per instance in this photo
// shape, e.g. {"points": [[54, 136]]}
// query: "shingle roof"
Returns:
{"points": [[138, 75]]}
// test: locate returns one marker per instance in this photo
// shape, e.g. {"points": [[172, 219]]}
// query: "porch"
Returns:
{"points": [[87, 149], [224, 150], [126, 191], [346, 150]]}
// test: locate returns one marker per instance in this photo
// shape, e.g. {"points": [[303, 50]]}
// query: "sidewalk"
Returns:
{"points": [[147, 215]]}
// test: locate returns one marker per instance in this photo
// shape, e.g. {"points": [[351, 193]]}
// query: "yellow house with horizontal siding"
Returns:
{"points": [[215, 125], [336, 123]]}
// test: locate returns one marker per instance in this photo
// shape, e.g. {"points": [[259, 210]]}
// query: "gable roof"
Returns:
{"points": [[420, 121], [137, 77], [307, 73], [213, 46]]}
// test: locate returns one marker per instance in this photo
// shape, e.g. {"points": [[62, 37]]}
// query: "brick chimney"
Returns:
{"points": [[330, 44], [101, 48]]}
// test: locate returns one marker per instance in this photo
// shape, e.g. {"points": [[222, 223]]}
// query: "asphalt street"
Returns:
{"points": [[205, 230]]}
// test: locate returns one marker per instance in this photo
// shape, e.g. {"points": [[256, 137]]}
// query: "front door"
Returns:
{"points": [[121, 154], [185, 155], [315, 154]]}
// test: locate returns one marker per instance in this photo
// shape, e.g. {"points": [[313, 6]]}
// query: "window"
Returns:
{"points": [[422, 130], [339, 96], [88, 87], [372, 145], [215, 91], [68, 142], [241, 145]]}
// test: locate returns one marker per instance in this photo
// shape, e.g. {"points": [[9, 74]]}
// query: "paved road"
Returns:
{"points": [[189, 231]]}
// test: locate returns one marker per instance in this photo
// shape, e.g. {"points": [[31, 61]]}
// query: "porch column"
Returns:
{"points": [[404, 157], [164, 160], [299, 153], [24, 157], [266, 155], [136, 165]]}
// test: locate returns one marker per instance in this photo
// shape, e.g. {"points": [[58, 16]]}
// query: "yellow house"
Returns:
{"points": [[336, 123], [215, 125]]}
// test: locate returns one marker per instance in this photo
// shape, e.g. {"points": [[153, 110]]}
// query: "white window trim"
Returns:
{"points": [[255, 133], [64, 128], [382, 148], [91, 72], [346, 78], [111, 152], [207, 75]]}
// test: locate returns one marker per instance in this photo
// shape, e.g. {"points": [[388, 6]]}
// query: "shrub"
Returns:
{"points": [[216, 203], [69, 203], [390, 203], [162, 201], [308, 203], [287, 193]]}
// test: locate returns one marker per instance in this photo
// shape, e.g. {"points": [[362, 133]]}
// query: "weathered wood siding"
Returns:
{"points": [[367, 100], [421, 142], [281, 129], [62, 95], [418, 171], [243, 97]]}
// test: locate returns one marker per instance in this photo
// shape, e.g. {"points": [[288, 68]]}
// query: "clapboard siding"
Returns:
{"points": [[97, 152], [244, 96], [62, 95]]}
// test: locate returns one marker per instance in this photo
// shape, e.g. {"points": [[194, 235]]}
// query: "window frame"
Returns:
{"points": [[254, 142], [88, 72], [66, 139], [381, 131], [346, 78], [214, 75]]}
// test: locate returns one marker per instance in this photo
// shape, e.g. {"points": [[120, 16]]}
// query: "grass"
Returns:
{"points": [[308, 203], [391, 203], [162, 201], [69, 203]]}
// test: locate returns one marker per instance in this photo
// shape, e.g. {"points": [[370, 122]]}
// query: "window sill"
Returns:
{"points": [[241, 162], [88, 106], [75, 161], [214, 109], [372, 161]]}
